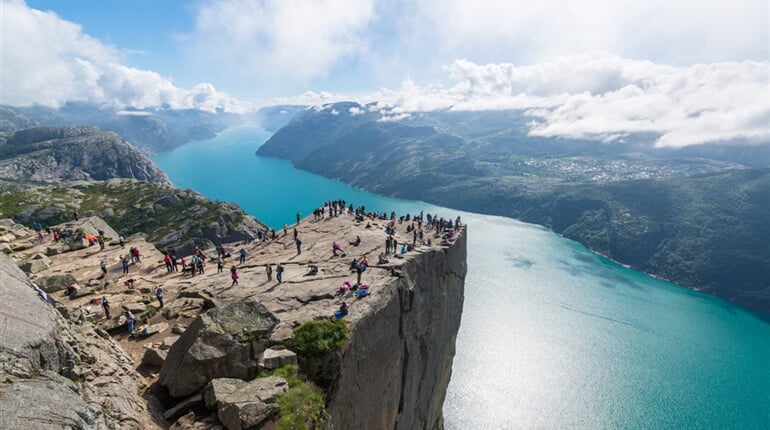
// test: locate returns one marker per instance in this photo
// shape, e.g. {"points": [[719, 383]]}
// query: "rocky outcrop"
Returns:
{"points": [[244, 405], [395, 371], [55, 375], [222, 343], [171, 218], [51, 154]]}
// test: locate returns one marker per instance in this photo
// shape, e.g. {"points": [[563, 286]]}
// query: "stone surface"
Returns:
{"points": [[135, 308], [154, 357], [39, 351], [152, 329], [168, 342], [243, 416], [408, 343], [35, 265], [55, 282], [56, 249], [218, 344], [224, 391], [183, 407], [275, 358]]}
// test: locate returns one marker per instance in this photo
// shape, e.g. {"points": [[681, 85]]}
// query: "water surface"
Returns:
{"points": [[552, 336]]}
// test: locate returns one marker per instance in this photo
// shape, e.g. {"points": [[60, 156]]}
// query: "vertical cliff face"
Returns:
{"points": [[395, 370]]}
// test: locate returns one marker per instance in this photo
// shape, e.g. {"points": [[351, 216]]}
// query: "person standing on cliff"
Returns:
{"points": [[106, 307], [299, 246], [159, 295], [124, 260], [242, 258], [298, 216], [234, 276], [279, 272], [269, 272]]}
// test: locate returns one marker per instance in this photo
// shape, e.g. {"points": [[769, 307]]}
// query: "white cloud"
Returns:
{"points": [[49, 61], [296, 40], [601, 96]]}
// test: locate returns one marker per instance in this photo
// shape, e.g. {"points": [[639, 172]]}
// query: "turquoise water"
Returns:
{"points": [[552, 336]]}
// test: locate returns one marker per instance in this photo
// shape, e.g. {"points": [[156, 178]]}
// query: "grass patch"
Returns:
{"points": [[316, 338], [302, 406]]}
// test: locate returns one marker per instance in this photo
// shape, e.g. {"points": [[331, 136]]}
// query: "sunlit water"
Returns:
{"points": [[552, 336]]}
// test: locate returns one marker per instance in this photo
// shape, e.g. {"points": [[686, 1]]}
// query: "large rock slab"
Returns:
{"points": [[274, 358], [154, 357], [56, 282], [222, 343], [243, 416], [224, 391], [35, 265]]}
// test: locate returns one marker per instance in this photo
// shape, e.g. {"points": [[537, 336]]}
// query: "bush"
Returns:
{"points": [[302, 406], [316, 338]]}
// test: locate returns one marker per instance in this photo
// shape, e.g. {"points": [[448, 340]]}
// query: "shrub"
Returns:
{"points": [[316, 338], [302, 406]]}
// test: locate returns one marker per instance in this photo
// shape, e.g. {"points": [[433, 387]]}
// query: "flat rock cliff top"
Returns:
{"points": [[301, 296]]}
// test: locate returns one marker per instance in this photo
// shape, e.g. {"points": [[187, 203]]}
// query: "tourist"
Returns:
{"points": [[159, 295], [299, 246], [220, 264], [129, 283], [242, 258], [234, 276], [269, 272], [130, 321], [124, 261], [167, 261], [279, 272], [122, 241], [103, 266], [313, 270], [298, 215], [106, 307], [342, 312], [356, 242]]}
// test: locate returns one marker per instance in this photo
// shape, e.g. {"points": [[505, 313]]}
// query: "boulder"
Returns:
{"points": [[275, 358], [154, 357], [183, 407], [168, 342], [221, 343], [135, 308], [56, 282], [152, 329], [7, 238], [83, 291], [21, 246], [76, 244], [56, 249], [242, 416], [224, 391], [35, 265]]}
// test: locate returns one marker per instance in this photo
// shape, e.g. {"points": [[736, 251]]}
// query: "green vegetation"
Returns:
{"points": [[302, 406], [316, 338], [169, 216]]}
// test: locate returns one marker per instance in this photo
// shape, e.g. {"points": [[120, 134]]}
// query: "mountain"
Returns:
{"points": [[69, 153], [272, 118], [695, 216], [150, 130]]}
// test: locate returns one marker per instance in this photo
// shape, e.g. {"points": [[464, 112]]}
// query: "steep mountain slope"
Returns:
{"points": [[73, 153], [150, 130], [170, 217]]}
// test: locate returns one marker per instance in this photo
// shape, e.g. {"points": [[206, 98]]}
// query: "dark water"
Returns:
{"points": [[552, 336]]}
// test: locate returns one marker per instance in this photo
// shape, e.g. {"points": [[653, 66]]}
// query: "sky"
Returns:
{"points": [[692, 71]]}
